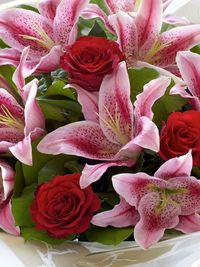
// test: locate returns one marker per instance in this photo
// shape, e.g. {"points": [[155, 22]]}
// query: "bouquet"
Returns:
{"points": [[99, 122]]}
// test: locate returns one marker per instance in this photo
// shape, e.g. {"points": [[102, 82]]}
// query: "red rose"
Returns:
{"points": [[62, 208], [89, 59], [180, 134]]}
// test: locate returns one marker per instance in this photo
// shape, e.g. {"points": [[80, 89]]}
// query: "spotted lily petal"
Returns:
{"points": [[9, 56], [115, 6], [67, 15], [125, 28], [47, 8], [122, 215], [115, 107], [176, 167], [189, 224], [20, 28], [84, 138], [153, 222]]}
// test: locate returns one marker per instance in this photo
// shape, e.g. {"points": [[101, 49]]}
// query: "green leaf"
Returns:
{"points": [[54, 167], [21, 207], [108, 235], [39, 160], [166, 105], [138, 78], [60, 110], [196, 49], [19, 180], [57, 88], [30, 233], [28, 8], [2, 44], [97, 31]]}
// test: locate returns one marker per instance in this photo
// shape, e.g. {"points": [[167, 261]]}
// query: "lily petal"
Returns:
{"points": [[92, 173], [17, 25], [122, 215], [23, 151], [125, 28], [175, 20], [32, 109], [153, 223], [189, 224], [88, 101], [115, 107], [174, 40], [152, 92], [7, 222], [176, 167], [8, 175], [84, 139], [9, 56], [47, 8], [148, 22], [9, 137], [147, 135], [67, 15], [189, 66], [115, 6]]}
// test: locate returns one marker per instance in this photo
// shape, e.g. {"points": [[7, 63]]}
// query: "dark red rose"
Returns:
{"points": [[180, 134], [62, 208], [89, 59]]}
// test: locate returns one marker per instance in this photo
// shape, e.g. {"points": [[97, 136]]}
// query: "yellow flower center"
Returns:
{"points": [[7, 119]]}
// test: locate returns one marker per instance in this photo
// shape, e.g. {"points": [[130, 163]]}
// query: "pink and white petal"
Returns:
{"points": [[152, 92], [176, 167], [8, 101], [189, 66], [17, 23], [23, 151], [7, 174], [92, 173], [115, 107], [154, 221], [47, 8], [129, 151], [122, 215], [9, 56], [94, 11], [125, 28], [32, 109], [146, 134], [188, 198], [83, 138], [175, 20], [148, 22], [115, 6], [67, 15], [178, 89], [189, 224], [88, 101], [132, 187], [9, 137], [175, 40], [7, 222]]}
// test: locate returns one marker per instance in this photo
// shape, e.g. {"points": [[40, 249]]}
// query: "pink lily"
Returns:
{"points": [[169, 199], [46, 38], [131, 7], [7, 182], [140, 38], [118, 134], [16, 128], [188, 64]]}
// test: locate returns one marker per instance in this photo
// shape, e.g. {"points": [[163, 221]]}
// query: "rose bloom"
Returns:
{"points": [[180, 134], [61, 208], [89, 59]]}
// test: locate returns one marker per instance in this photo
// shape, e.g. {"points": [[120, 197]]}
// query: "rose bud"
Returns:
{"points": [[89, 59], [180, 134], [62, 208]]}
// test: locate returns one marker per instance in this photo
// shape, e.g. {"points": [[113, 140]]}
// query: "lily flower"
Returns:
{"points": [[46, 38], [168, 199], [140, 39], [117, 133], [188, 64], [7, 222]]}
